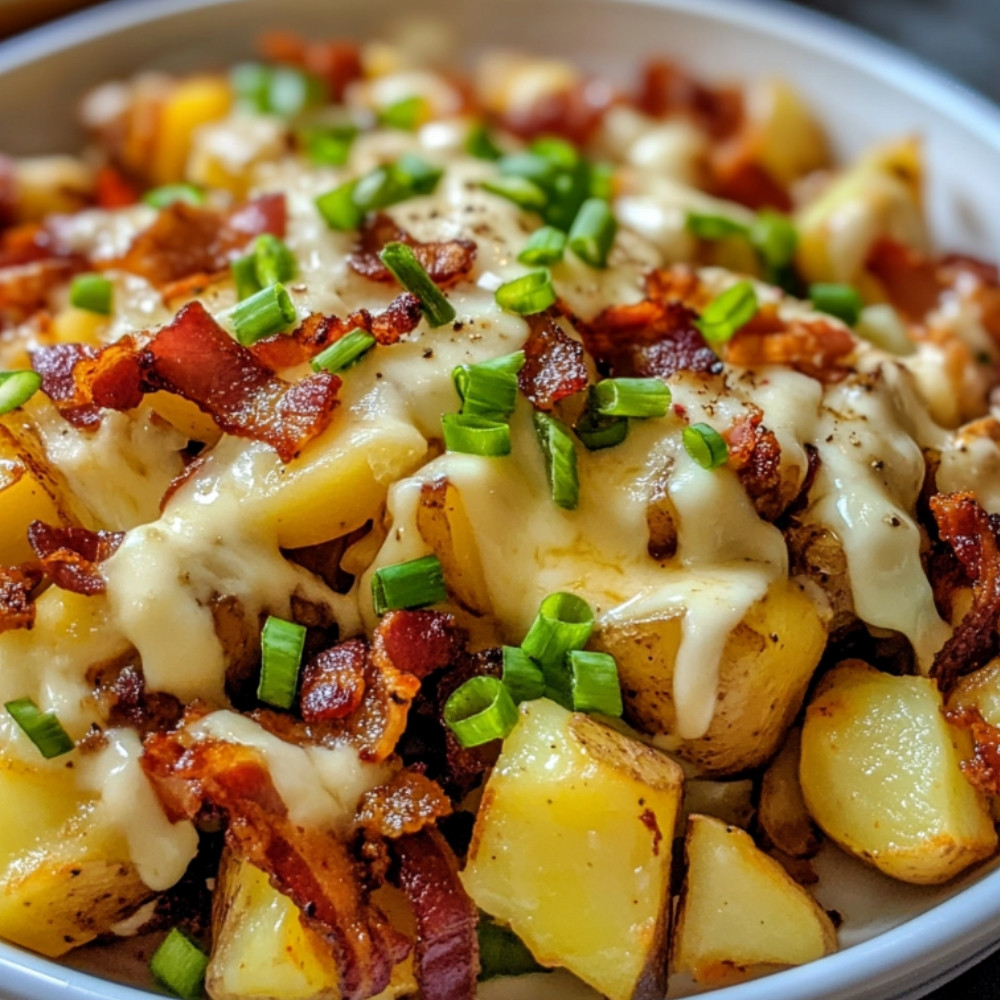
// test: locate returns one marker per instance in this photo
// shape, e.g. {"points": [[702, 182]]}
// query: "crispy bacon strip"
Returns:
{"points": [[17, 609], [967, 528], [337, 62], [419, 642], [755, 456], [553, 364], [312, 867], [665, 90], [406, 804], [70, 556], [982, 770], [333, 683], [446, 262], [113, 189], [55, 364], [574, 113], [25, 288], [447, 950], [910, 278]]}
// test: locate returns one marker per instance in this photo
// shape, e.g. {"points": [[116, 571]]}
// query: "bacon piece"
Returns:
{"points": [[337, 62], [312, 867], [419, 642], [56, 364], [25, 288], [406, 804], [447, 950], [70, 556], [553, 364], [17, 609], [113, 189], [910, 278], [666, 90], [121, 694], [446, 262], [982, 770], [755, 456], [333, 683], [574, 113], [968, 529]]}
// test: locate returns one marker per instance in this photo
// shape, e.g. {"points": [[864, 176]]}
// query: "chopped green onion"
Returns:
{"points": [[329, 145], [559, 152], [92, 292], [594, 682], [245, 276], [409, 272], [524, 193], [480, 711], [281, 646], [511, 364], [273, 261], [266, 312], [250, 83], [417, 175], [502, 952], [521, 675], [532, 293], [487, 390], [413, 584], [531, 167], [880, 325], [775, 238], [593, 232], [169, 194], [560, 460], [479, 143], [474, 435], [597, 431], [841, 301], [406, 114], [545, 246], [379, 188], [338, 208], [569, 190], [602, 181], [343, 353], [726, 313], [631, 397], [564, 622], [16, 388], [42, 728], [709, 226], [179, 965], [291, 91], [705, 445]]}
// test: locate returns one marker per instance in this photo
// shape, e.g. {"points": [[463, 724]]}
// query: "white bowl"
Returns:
{"points": [[900, 941]]}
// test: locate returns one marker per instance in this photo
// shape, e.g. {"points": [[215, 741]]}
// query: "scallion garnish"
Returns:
{"points": [[594, 683], [502, 952], [409, 272], [560, 460], [245, 276], [597, 431], [705, 445], [405, 114], [379, 188], [524, 193], [250, 83], [273, 261], [602, 181], [593, 232], [266, 312], [726, 313], [560, 152], [179, 965], [631, 397], [343, 353], [710, 226], [16, 388], [281, 646], [537, 169], [521, 675], [532, 293], [43, 728], [328, 145], [545, 246], [478, 143], [291, 91], [480, 711], [92, 292], [168, 194], [489, 389], [338, 207], [564, 622], [569, 190], [474, 435], [416, 174], [775, 238], [841, 301], [413, 584]]}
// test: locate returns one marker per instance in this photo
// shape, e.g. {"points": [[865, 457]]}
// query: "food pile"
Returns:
{"points": [[427, 500]]}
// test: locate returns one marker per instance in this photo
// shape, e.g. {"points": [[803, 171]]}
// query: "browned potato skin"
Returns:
{"points": [[782, 812], [762, 679]]}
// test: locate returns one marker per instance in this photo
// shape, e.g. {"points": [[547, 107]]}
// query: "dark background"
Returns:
{"points": [[960, 36]]}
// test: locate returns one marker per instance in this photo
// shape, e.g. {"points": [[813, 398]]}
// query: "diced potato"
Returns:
{"points": [[262, 949], [572, 849], [880, 775], [740, 911], [44, 185], [78, 326], [782, 812], [766, 666], [729, 800], [189, 105], [185, 416], [980, 690]]}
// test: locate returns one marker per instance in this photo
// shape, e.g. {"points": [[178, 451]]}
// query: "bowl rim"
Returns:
{"points": [[908, 960]]}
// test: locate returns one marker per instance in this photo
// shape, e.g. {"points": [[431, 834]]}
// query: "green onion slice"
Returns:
{"points": [[16, 388], [379, 188], [273, 261], [479, 143], [522, 192], [179, 964], [727, 312], [631, 397], [245, 276], [409, 272], [593, 232], [594, 682], [521, 675], [281, 646], [291, 91], [531, 293], [545, 246], [328, 145], [475, 435], [597, 431], [775, 238], [92, 292], [502, 952], [343, 353], [413, 584], [559, 152], [705, 445], [602, 181], [406, 114], [43, 728], [537, 169], [266, 312], [250, 83], [564, 622], [489, 389], [841, 301], [338, 209], [416, 175], [560, 460], [480, 711], [709, 226], [162, 197]]}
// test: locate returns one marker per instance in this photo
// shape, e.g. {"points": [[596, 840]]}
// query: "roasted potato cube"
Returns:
{"points": [[572, 849], [782, 812], [766, 666], [980, 690], [189, 105], [880, 774], [740, 910]]}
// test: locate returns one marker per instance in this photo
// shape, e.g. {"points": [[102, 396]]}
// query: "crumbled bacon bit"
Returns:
{"points": [[406, 804], [25, 288], [70, 556], [982, 771], [419, 642], [446, 262], [333, 683], [574, 113], [55, 364], [553, 364], [666, 90], [113, 189], [337, 62], [910, 279], [755, 456], [17, 610]]}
